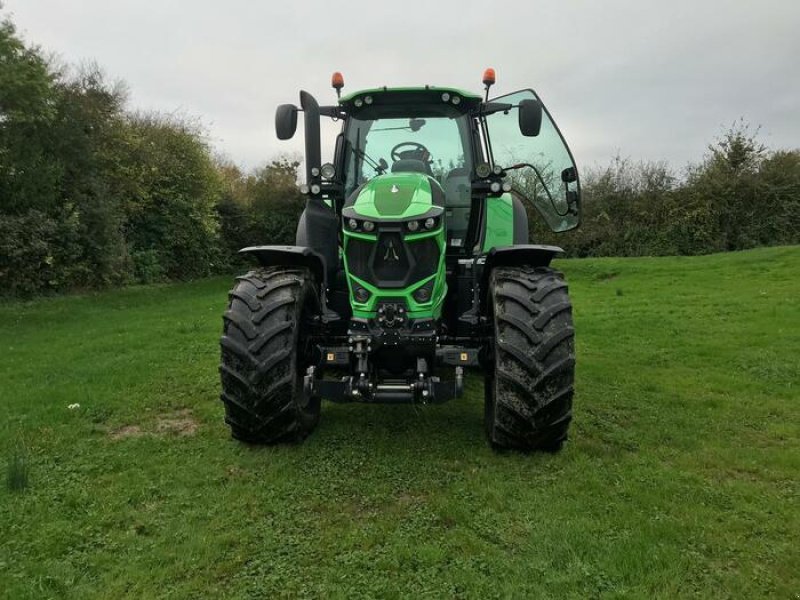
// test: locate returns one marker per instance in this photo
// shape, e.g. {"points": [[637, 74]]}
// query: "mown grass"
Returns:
{"points": [[680, 479]]}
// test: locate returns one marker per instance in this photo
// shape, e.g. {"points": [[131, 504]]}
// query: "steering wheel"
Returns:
{"points": [[415, 150]]}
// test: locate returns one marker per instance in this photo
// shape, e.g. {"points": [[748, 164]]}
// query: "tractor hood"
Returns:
{"points": [[394, 245], [397, 196]]}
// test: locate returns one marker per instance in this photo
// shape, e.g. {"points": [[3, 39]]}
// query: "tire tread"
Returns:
{"points": [[530, 389], [259, 363]]}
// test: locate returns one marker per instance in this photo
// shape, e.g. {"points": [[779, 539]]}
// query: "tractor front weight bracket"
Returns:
{"points": [[423, 388]]}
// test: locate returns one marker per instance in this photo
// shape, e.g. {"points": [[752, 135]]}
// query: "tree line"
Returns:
{"points": [[94, 194], [741, 195]]}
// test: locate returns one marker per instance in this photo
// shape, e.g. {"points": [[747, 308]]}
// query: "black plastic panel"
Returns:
{"points": [[390, 262]]}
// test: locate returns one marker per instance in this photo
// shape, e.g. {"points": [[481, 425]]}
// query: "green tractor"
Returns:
{"points": [[412, 265]]}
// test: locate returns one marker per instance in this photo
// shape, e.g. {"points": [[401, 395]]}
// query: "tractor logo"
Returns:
{"points": [[395, 189], [391, 253]]}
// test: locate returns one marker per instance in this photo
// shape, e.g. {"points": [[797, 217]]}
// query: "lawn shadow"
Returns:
{"points": [[449, 429]]}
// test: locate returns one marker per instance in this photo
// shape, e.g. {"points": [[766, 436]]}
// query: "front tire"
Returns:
{"points": [[529, 386], [265, 353]]}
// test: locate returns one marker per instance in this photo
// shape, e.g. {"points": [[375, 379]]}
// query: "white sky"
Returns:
{"points": [[653, 80]]}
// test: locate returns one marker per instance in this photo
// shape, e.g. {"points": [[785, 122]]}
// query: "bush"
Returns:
{"points": [[38, 252], [173, 188], [146, 266], [92, 195], [740, 196]]}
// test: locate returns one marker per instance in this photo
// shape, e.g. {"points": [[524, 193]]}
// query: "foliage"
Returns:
{"points": [[172, 190], [93, 195], [741, 196], [17, 470], [29, 173], [679, 479], [275, 203]]}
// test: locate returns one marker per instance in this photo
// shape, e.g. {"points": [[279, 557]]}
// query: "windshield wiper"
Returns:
{"points": [[380, 167]]}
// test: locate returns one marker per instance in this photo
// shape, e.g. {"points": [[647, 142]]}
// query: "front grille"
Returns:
{"points": [[358, 257], [391, 262], [426, 255]]}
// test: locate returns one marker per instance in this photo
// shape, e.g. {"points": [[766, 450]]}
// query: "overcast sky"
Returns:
{"points": [[652, 80]]}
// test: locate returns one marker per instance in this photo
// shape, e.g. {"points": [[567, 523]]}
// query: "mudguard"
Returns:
{"points": [[523, 255], [290, 256]]}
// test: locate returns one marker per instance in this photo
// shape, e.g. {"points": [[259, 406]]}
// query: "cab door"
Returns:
{"points": [[540, 167]]}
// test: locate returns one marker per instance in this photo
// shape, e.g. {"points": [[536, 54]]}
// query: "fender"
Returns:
{"points": [[523, 255], [290, 256]]}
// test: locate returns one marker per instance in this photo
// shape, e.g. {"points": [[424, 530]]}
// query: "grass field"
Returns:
{"points": [[681, 477]]}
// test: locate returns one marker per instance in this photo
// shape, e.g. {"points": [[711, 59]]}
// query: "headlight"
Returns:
{"points": [[369, 226], [412, 225], [424, 293], [361, 295], [483, 170], [430, 222], [328, 171], [352, 224]]}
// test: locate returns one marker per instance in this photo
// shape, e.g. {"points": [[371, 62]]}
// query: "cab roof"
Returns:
{"points": [[405, 99]]}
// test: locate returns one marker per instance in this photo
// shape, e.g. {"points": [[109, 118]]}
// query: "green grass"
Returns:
{"points": [[681, 478]]}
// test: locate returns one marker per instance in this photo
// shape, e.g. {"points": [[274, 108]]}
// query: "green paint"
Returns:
{"points": [[416, 310], [395, 195], [499, 223], [412, 198], [393, 199]]}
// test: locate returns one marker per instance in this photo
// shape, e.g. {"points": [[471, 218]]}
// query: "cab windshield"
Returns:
{"points": [[436, 145]]}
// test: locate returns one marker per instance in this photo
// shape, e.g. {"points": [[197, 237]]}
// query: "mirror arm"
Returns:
{"points": [[489, 108], [334, 112]]}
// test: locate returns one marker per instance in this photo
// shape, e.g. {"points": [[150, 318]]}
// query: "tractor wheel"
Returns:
{"points": [[265, 353], [529, 386]]}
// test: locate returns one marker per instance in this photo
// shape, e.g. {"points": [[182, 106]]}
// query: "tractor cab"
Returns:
{"points": [[412, 258], [472, 149], [424, 131], [441, 164]]}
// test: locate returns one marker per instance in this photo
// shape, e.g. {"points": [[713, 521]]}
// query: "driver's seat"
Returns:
{"points": [[411, 165]]}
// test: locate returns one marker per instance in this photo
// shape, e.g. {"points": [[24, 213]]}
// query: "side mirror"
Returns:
{"points": [[569, 175], [530, 117], [286, 121]]}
